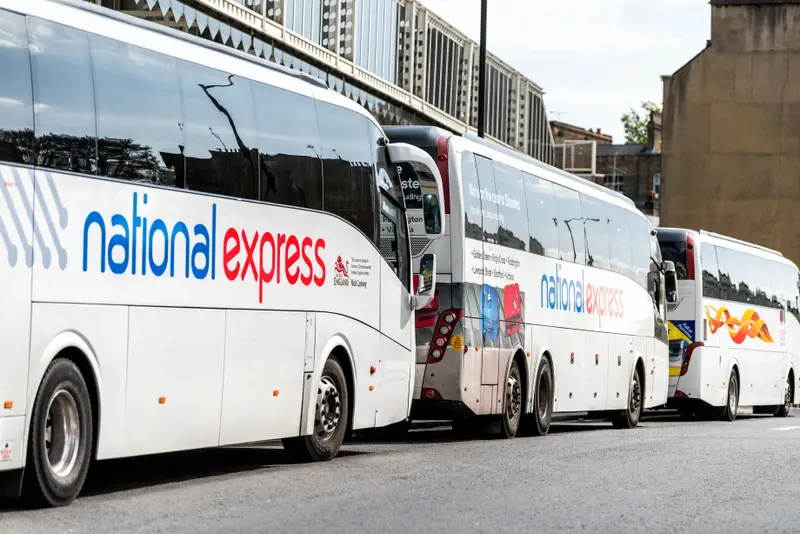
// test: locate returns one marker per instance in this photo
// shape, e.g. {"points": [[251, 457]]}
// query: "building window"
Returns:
{"points": [[614, 182], [657, 185]]}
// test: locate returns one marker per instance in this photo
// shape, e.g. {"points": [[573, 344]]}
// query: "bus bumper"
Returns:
{"points": [[12, 453]]}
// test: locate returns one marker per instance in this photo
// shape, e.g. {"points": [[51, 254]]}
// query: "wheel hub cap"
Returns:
{"points": [[62, 433], [329, 408]]}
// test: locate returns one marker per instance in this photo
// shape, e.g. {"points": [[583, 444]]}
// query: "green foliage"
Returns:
{"points": [[635, 123]]}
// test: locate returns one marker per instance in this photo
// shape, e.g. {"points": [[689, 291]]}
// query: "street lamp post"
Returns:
{"points": [[482, 73]]}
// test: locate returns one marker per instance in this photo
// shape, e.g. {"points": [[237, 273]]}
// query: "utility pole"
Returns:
{"points": [[482, 74]]}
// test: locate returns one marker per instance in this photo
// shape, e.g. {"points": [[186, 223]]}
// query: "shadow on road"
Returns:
{"points": [[113, 476]]}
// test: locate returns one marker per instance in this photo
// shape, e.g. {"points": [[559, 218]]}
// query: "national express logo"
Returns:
{"points": [[22, 190], [559, 292], [750, 325], [136, 244]]}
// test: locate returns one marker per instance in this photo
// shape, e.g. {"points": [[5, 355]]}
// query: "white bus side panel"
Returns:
{"points": [[263, 385], [21, 249]]}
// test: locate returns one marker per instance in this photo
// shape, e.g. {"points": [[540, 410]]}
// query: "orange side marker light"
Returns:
{"points": [[162, 400], [7, 405]]}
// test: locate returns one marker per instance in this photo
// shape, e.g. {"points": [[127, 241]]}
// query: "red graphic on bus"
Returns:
{"points": [[512, 307], [341, 267]]}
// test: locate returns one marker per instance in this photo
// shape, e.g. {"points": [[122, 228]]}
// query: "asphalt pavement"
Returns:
{"points": [[664, 476]]}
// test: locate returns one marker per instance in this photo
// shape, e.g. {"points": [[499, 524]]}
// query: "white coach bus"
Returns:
{"points": [[550, 294], [198, 249], [734, 331]]}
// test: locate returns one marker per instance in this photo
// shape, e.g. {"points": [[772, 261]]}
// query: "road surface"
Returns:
{"points": [[665, 476]]}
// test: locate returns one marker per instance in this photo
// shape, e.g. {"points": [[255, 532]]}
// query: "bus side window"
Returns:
{"points": [[473, 208], [16, 122], [393, 240], [542, 216], [513, 211], [64, 97], [348, 176], [620, 241], [140, 122], [289, 164], [726, 283], [710, 269], [570, 225]]}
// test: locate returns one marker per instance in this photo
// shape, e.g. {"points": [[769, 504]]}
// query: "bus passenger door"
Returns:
{"points": [[393, 378]]}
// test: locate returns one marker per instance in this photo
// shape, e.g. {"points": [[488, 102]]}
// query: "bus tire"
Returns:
{"points": [[330, 419], [629, 417], [512, 407], [732, 402], [788, 398], [61, 438], [537, 423]]}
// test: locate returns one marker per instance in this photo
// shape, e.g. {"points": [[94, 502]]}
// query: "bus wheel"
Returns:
{"points": [[330, 419], [538, 422], [788, 398], [732, 406], [61, 437], [629, 418], [512, 410]]}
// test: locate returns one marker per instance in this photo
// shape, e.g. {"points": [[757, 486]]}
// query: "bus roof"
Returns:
{"points": [[717, 238], [428, 135]]}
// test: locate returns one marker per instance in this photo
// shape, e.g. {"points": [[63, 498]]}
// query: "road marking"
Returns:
{"points": [[787, 428]]}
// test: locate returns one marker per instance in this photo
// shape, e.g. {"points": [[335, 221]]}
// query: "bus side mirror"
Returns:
{"points": [[426, 172], [426, 281], [670, 281]]}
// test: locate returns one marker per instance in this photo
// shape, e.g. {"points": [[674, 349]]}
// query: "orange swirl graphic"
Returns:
{"points": [[750, 325]]}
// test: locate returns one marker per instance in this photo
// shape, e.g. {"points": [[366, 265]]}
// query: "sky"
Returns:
{"points": [[595, 59]]}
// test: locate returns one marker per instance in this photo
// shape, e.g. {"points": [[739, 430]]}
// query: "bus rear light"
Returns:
{"points": [[681, 395], [687, 356], [442, 163], [441, 336], [689, 256], [431, 394]]}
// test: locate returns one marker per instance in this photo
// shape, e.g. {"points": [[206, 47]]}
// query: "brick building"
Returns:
{"points": [[732, 128]]}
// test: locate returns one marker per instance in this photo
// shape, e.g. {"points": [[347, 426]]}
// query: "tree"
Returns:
{"points": [[635, 123]]}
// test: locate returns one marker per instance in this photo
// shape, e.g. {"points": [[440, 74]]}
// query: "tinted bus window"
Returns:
{"points": [[542, 216], [710, 270], [641, 239], [63, 93], [619, 240], [675, 251], [727, 287], [570, 225], [139, 113], [473, 210], [595, 226], [289, 164], [16, 105], [491, 213], [348, 177], [512, 208], [220, 132]]}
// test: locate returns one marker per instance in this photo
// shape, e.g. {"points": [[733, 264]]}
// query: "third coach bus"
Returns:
{"points": [[734, 331], [551, 293]]}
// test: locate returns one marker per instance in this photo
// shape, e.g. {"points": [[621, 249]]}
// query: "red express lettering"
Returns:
{"points": [[604, 300], [268, 256]]}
